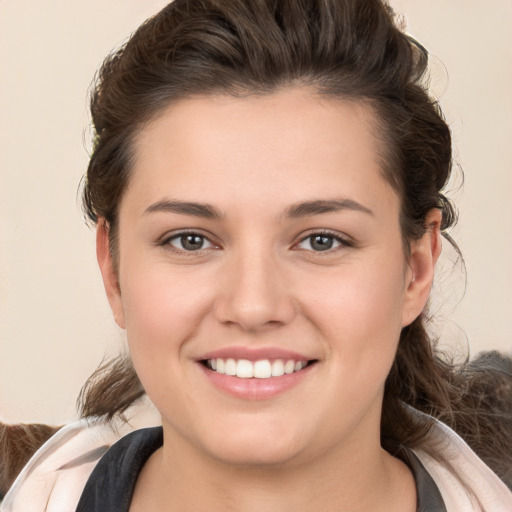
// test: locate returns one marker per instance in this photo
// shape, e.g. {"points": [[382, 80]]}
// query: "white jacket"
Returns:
{"points": [[53, 479]]}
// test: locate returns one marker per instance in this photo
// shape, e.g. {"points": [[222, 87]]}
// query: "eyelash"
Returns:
{"points": [[167, 241]]}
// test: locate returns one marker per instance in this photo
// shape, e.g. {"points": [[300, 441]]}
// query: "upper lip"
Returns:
{"points": [[254, 354]]}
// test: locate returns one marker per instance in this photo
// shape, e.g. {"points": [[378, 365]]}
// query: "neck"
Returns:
{"points": [[356, 477]]}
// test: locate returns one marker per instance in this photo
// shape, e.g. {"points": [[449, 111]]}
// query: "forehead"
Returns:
{"points": [[224, 148]]}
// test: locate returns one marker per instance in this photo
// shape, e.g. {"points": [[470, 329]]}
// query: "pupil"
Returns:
{"points": [[192, 242], [321, 242]]}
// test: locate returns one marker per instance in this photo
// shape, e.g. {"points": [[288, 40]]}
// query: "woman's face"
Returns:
{"points": [[255, 232]]}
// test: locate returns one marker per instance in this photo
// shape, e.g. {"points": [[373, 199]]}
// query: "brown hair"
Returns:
{"points": [[17, 445], [347, 49]]}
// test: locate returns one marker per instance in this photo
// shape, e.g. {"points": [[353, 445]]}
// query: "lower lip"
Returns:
{"points": [[256, 389]]}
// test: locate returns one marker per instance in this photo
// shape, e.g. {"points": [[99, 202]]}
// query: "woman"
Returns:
{"points": [[267, 186]]}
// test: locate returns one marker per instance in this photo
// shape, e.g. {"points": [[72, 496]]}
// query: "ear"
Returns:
{"points": [[108, 272], [423, 258]]}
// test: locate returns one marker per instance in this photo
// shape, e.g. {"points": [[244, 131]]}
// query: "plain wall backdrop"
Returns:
{"points": [[55, 323]]}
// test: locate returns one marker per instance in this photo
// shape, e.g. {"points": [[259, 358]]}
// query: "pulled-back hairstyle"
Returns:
{"points": [[342, 49]]}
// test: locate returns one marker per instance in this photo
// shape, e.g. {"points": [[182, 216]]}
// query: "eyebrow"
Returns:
{"points": [[295, 211], [203, 210], [318, 207]]}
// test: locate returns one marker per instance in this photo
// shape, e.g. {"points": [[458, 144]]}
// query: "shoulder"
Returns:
{"points": [[55, 476], [464, 480], [112, 482]]}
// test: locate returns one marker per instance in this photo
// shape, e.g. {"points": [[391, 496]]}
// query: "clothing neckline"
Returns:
{"points": [[111, 485]]}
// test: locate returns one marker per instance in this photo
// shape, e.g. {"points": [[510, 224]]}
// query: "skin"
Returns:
{"points": [[258, 282]]}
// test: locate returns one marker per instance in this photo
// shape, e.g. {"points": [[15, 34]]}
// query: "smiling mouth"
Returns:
{"points": [[261, 369]]}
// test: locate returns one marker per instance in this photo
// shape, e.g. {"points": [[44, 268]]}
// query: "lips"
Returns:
{"points": [[255, 374]]}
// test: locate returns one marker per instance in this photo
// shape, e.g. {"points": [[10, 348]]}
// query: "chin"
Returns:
{"points": [[255, 453], [253, 443]]}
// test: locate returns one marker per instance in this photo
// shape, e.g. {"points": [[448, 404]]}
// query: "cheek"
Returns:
{"points": [[161, 309], [359, 313]]}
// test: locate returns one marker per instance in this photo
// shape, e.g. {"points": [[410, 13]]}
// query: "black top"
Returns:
{"points": [[112, 482]]}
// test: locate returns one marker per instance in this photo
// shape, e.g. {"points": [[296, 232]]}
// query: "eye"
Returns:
{"points": [[320, 242], [189, 242]]}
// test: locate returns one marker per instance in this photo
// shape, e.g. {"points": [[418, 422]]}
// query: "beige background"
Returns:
{"points": [[55, 325]]}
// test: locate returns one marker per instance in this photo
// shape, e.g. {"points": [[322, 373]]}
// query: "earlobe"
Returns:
{"points": [[424, 255], [108, 272]]}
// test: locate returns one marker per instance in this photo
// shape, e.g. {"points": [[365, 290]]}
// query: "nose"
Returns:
{"points": [[253, 293]]}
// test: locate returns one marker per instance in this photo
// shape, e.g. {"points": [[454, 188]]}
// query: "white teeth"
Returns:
{"points": [[262, 369], [289, 367], [277, 368], [230, 367], [244, 369]]}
